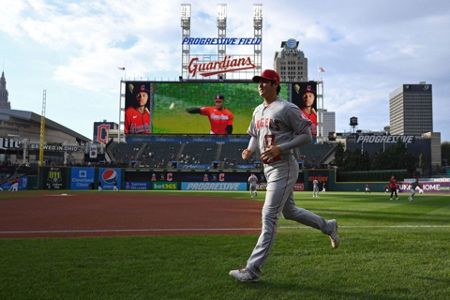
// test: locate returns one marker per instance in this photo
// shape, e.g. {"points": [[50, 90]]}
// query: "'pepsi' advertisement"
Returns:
{"points": [[109, 177], [82, 178]]}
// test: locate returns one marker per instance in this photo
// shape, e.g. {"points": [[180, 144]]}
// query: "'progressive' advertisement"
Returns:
{"points": [[214, 186]]}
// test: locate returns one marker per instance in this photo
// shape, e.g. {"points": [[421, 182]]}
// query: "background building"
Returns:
{"points": [[411, 109], [328, 121], [4, 103], [290, 62], [20, 136]]}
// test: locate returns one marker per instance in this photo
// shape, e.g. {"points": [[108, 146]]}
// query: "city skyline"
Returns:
{"points": [[75, 52]]}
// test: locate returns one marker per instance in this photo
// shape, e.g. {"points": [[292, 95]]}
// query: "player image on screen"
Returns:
{"points": [[306, 101], [137, 112], [170, 102], [220, 118]]}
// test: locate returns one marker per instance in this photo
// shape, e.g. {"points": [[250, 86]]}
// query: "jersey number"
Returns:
{"points": [[269, 140]]}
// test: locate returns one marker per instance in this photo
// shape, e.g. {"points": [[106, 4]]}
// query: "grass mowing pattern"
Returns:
{"points": [[372, 263]]}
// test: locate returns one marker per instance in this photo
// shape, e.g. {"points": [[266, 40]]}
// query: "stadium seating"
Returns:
{"points": [[199, 152], [315, 155], [159, 155], [231, 157], [124, 153], [204, 153]]}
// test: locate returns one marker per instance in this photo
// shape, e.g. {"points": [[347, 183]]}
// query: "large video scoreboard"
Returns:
{"points": [[168, 103]]}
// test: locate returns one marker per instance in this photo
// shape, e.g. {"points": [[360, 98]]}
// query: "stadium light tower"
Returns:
{"points": [[186, 33], [257, 27], [221, 31]]}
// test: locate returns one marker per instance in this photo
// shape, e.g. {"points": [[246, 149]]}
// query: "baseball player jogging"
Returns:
{"points": [[315, 188], [14, 185], [252, 182], [413, 189], [220, 118], [276, 129]]}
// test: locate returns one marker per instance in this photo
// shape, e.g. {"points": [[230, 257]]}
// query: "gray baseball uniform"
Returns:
{"points": [[279, 123], [252, 181], [315, 188]]}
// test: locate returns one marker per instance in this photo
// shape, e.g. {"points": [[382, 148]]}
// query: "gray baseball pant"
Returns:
{"points": [[281, 177]]}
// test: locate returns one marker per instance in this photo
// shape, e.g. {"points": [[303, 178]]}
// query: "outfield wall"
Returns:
{"points": [[86, 178]]}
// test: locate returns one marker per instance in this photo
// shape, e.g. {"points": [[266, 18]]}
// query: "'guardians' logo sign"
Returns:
{"points": [[228, 64]]}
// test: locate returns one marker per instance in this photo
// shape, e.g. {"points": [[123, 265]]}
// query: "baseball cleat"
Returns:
{"points": [[334, 236], [244, 275]]}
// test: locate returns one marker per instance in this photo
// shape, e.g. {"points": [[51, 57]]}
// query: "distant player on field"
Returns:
{"points": [[14, 185], [393, 187], [315, 188], [220, 118], [252, 182], [414, 187]]}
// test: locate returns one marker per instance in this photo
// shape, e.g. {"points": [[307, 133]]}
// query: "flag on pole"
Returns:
{"points": [[321, 69], [121, 68]]}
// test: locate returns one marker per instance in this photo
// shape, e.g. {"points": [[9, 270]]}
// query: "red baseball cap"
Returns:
{"points": [[142, 88], [309, 89], [269, 75]]}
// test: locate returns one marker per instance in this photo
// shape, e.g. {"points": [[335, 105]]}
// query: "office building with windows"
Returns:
{"points": [[411, 109], [290, 62]]}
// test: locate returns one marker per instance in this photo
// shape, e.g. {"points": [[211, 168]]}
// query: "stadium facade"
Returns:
{"points": [[20, 136]]}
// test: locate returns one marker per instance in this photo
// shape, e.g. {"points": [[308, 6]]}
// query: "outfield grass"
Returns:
{"points": [[389, 250]]}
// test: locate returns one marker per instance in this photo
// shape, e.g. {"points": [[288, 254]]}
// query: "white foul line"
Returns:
{"points": [[73, 231]]}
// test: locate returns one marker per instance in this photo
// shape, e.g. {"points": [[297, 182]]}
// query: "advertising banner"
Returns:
{"points": [[81, 178], [137, 185], [214, 186], [299, 186], [54, 178], [427, 186], [164, 185], [109, 177]]}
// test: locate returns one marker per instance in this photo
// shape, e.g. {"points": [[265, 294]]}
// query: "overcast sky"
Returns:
{"points": [[368, 48]]}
